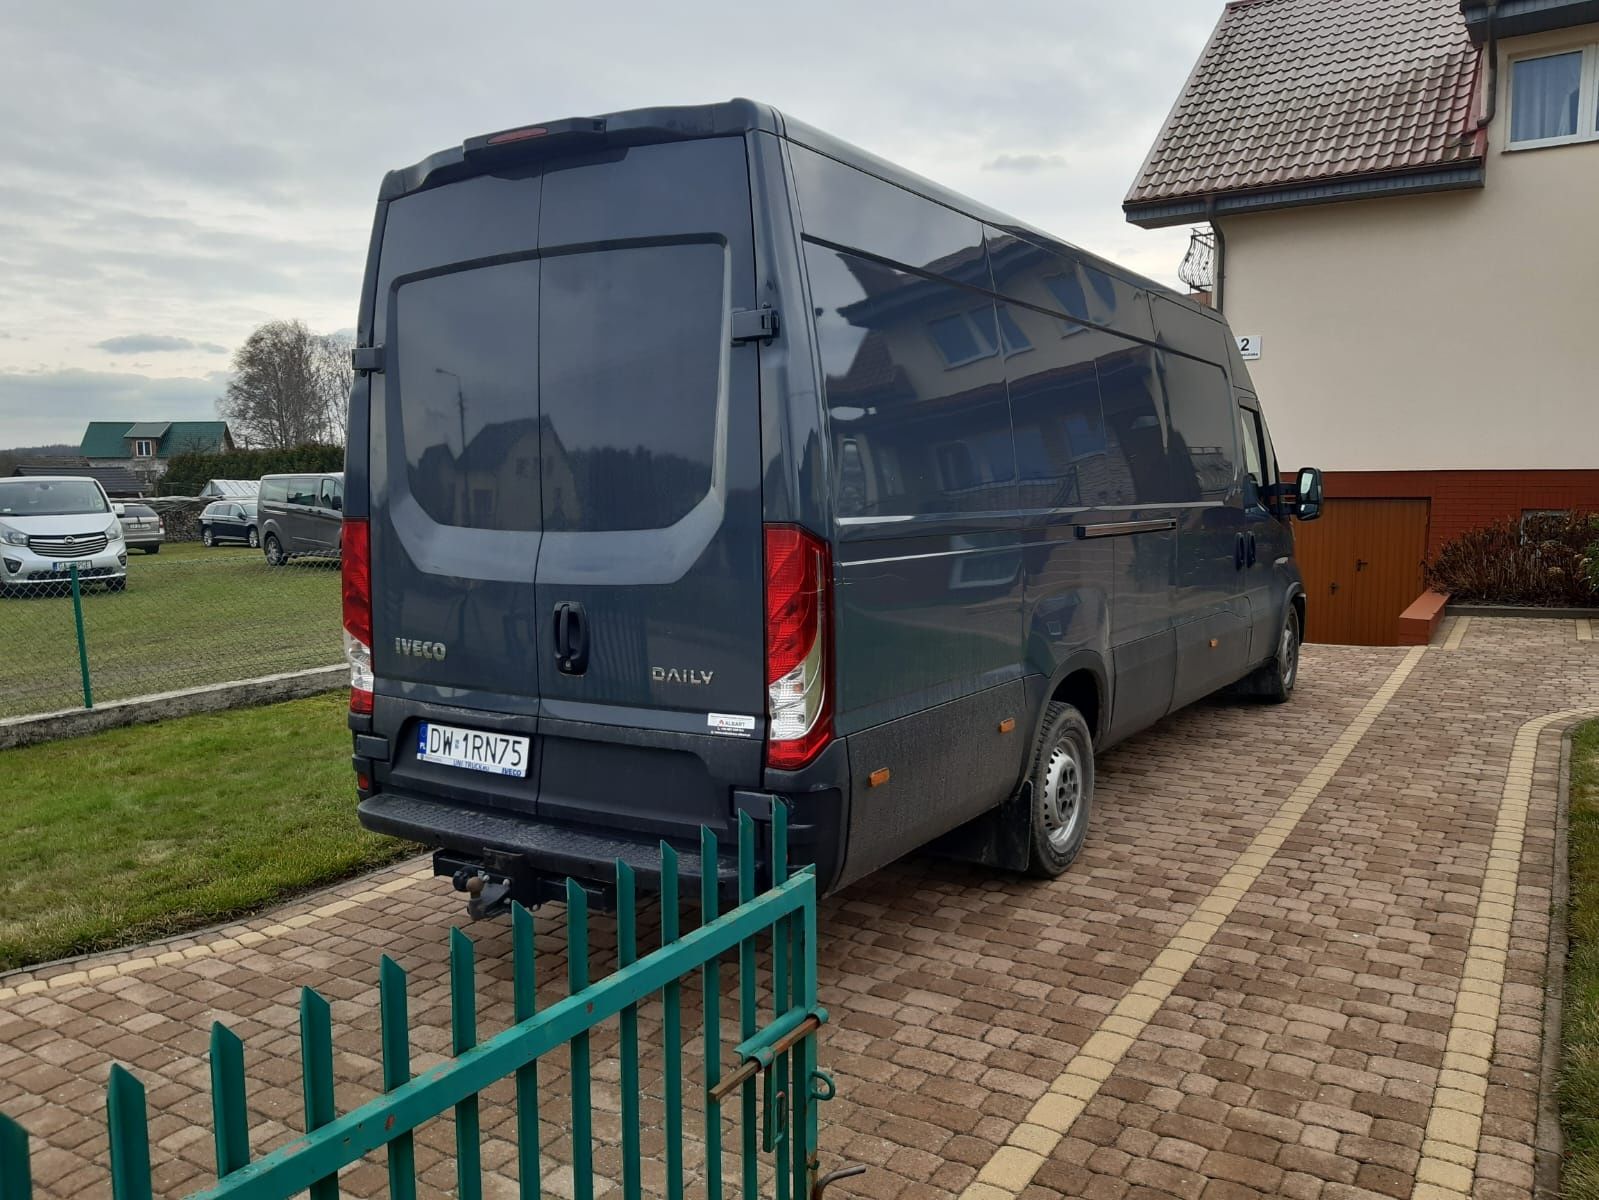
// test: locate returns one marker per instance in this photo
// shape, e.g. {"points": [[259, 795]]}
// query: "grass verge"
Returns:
{"points": [[190, 616], [135, 834], [1579, 1081]]}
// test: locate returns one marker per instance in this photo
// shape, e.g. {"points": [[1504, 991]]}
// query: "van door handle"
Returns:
{"points": [[571, 638], [1238, 552], [1251, 549]]}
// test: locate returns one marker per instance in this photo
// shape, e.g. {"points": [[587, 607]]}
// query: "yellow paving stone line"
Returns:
{"points": [[1457, 633], [1448, 1163], [1031, 1143], [218, 945], [1585, 629]]}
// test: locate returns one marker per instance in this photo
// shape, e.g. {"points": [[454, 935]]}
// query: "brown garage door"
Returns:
{"points": [[1362, 566]]}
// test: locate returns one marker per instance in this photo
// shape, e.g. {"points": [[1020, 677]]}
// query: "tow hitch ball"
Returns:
{"points": [[486, 896]]}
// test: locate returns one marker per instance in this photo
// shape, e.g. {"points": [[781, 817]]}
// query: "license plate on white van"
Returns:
{"points": [[473, 749]]}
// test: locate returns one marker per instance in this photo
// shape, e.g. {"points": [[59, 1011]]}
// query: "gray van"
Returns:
{"points": [[697, 458], [300, 514]]}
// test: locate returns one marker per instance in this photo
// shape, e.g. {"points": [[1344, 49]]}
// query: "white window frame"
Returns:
{"points": [[143, 448], [1587, 99]]}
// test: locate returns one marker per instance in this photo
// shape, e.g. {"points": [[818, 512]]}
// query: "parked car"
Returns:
{"points": [[300, 514], [142, 527], [48, 524], [230, 521], [884, 507]]}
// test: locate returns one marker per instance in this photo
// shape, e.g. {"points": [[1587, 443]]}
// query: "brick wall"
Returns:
{"points": [[1462, 500]]}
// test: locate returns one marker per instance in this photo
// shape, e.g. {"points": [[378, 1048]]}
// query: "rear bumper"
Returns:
{"points": [[520, 846]]}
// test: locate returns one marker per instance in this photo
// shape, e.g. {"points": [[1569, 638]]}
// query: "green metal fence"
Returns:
{"points": [[189, 616], [772, 1069]]}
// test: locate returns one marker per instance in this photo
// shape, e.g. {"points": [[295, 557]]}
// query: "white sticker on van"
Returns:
{"points": [[724, 723]]}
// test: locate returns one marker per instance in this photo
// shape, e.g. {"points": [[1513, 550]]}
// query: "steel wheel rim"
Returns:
{"points": [[1063, 794], [1288, 654]]}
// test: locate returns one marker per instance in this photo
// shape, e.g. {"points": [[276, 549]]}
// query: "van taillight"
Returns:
{"points": [[799, 703], [356, 568]]}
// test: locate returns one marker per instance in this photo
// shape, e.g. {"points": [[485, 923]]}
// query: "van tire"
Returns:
{"points": [[274, 551], [1274, 682], [1063, 768]]}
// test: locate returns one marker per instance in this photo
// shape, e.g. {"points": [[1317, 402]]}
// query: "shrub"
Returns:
{"points": [[188, 473], [1544, 559]]}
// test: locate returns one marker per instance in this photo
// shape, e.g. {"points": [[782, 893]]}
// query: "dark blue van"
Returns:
{"points": [[697, 458]]}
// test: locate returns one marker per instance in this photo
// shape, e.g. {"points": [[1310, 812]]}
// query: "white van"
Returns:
{"points": [[48, 523]]}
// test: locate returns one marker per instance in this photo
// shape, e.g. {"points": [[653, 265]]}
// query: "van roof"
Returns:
{"points": [[639, 126]]}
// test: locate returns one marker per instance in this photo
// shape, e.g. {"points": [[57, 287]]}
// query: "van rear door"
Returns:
{"points": [[565, 476]]}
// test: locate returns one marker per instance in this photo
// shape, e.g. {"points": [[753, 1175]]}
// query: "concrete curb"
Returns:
{"points": [[1549, 1141], [141, 710], [1513, 610]]}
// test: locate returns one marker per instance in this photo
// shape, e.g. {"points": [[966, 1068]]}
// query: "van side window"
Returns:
{"points": [[1254, 473], [1201, 449], [1135, 428], [916, 432], [302, 491], [274, 490], [331, 495]]}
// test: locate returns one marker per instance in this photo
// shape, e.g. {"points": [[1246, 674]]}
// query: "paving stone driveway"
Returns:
{"points": [[1303, 954]]}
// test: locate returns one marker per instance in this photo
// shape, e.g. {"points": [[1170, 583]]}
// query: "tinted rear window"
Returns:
{"points": [[577, 392], [630, 377]]}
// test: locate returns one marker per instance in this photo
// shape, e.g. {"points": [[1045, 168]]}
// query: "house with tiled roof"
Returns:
{"points": [[145, 447], [1397, 203]]}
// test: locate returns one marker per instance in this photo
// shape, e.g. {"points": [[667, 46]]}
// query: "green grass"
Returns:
{"points": [[190, 616], [1579, 1082], [136, 834]]}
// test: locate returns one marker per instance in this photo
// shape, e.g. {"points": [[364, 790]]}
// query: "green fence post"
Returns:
{"points": [[396, 1040], [626, 956], [525, 966], [672, 1031], [16, 1178], [129, 1126], [747, 1014], [83, 648], [577, 978], [711, 990], [229, 1114], [463, 1029], [316, 1066]]}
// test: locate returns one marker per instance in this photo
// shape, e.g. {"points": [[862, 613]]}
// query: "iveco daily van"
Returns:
{"points": [[697, 458]]}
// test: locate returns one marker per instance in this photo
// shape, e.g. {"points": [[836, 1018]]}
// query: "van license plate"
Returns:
{"points": [[496, 753]]}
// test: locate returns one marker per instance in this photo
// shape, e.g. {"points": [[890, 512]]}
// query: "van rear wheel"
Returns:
{"points": [[1063, 791]]}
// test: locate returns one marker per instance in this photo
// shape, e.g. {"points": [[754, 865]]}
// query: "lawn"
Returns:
{"points": [[1579, 1083], [190, 616], [122, 837]]}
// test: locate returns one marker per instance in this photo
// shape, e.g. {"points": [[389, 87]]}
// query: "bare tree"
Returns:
{"points": [[290, 387]]}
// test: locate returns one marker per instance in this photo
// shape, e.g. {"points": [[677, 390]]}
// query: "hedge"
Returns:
{"points": [[188, 473]]}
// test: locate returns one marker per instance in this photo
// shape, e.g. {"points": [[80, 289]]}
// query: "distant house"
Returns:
{"points": [[119, 482], [1400, 195], [145, 447]]}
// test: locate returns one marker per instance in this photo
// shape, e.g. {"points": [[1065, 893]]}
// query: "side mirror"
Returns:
{"points": [[119, 510], [1308, 507]]}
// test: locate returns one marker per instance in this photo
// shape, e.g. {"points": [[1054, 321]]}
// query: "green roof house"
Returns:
{"points": [[145, 447]]}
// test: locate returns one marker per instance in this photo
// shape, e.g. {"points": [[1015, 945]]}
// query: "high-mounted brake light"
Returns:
{"points": [[356, 569], [517, 135], [799, 656]]}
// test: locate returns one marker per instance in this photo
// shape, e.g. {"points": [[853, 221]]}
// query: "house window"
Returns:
{"points": [[964, 337], [1554, 99], [143, 448]]}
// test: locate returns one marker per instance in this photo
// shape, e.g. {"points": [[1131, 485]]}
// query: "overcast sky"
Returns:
{"points": [[177, 173]]}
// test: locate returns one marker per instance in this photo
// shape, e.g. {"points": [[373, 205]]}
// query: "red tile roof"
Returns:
{"points": [[1293, 92]]}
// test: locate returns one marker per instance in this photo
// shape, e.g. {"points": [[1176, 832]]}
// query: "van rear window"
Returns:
{"points": [[577, 392]]}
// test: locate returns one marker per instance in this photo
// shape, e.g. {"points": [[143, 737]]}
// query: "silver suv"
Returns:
{"points": [[50, 522]]}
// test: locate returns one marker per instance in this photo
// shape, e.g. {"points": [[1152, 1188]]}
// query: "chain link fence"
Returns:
{"points": [[186, 617]]}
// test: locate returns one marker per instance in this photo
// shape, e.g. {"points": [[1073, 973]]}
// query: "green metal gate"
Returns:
{"points": [[772, 1071]]}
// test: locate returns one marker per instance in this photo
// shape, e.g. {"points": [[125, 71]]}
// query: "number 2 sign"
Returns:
{"points": [[1249, 345]]}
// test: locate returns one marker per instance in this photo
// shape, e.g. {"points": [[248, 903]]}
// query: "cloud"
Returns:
{"points": [[146, 343], [1026, 164], [54, 406]]}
